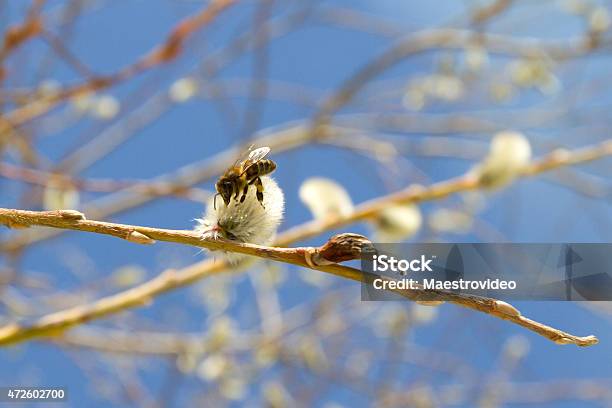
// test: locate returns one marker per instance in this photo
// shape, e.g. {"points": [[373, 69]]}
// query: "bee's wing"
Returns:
{"points": [[258, 154], [255, 156], [244, 156]]}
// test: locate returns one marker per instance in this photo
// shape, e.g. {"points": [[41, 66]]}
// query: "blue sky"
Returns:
{"points": [[320, 57]]}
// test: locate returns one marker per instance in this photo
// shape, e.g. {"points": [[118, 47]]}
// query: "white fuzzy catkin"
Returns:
{"points": [[183, 89], [246, 222], [325, 198], [105, 107], [397, 223], [58, 197], [510, 152]]}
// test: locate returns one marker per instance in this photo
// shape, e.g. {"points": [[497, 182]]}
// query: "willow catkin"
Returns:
{"points": [[246, 222], [509, 153]]}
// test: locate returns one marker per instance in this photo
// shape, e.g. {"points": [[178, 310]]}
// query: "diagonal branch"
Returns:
{"points": [[415, 194], [339, 248], [161, 54], [305, 256]]}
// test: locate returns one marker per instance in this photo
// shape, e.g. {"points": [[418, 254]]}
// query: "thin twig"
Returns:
{"points": [[160, 55], [445, 39]]}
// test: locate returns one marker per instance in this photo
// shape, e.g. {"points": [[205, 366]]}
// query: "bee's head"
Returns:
{"points": [[224, 189]]}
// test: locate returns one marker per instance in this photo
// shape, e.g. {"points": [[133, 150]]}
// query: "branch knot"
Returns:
{"points": [[339, 248]]}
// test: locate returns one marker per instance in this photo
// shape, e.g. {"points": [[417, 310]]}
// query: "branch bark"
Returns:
{"points": [[340, 248]]}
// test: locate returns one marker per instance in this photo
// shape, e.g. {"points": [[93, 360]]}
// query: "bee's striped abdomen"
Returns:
{"points": [[261, 168]]}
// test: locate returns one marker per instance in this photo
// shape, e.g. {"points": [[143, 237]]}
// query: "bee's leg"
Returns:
{"points": [[259, 185], [245, 190]]}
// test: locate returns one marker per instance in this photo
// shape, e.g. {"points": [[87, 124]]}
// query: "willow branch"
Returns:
{"points": [[178, 181], [304, 256], [325, 258], [447, 39], [415, 194], [161, 54]]}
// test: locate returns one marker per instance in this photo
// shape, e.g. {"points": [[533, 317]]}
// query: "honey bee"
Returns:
{"points": [[244, 173]]}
